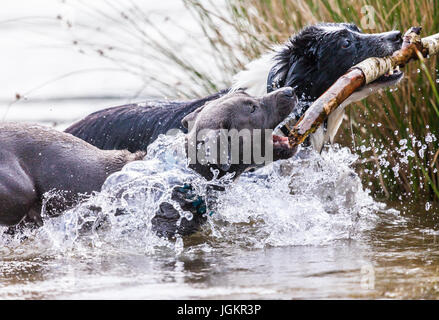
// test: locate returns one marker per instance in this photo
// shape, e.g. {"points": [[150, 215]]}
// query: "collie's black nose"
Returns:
{"points": [[393, 36]]}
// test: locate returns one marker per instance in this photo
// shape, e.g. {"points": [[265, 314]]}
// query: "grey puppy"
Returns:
{"points": [[35, 160], [236, 111]]}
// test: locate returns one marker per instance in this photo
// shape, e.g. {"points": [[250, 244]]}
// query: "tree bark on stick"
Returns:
{"points": [[359, 75]]}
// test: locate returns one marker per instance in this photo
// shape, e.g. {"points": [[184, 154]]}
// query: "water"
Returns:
{"points": [[295, 229]]}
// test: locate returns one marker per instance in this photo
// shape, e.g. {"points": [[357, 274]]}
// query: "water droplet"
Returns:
{"points": [[428, 206]]}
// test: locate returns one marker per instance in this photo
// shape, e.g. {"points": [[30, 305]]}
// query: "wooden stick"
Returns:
{"points": [[361, 74]]}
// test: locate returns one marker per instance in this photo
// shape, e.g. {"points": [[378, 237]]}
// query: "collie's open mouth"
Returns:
{"points": [[391, 76]]}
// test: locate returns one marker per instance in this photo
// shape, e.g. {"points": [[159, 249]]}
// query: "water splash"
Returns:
{"points": [[309, 201], [297, 202]]}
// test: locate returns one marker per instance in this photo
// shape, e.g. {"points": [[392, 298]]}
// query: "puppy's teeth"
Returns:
{"points": [[390, 72]]}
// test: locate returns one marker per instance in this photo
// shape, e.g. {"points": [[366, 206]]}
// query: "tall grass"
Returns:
{"points": [[393, 131], [162, 51]]}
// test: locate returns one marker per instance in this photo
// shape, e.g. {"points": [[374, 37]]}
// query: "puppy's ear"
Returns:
{"points": [[191, 117]]}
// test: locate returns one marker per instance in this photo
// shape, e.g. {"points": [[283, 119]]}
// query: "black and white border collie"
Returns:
{"points": [[310, 62]]}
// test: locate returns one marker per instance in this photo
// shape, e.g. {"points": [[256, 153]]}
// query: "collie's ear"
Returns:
{"points": [[276, 77], [191, 117], [278, 74]]}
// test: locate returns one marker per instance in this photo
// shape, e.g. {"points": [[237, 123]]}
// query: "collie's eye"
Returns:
{"points": [[346, 43], [253, 108]]}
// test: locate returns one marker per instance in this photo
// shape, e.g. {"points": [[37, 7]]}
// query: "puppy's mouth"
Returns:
{"points": [[281, 142], [389, 78]]}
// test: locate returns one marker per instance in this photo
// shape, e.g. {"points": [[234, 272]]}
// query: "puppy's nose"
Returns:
{"points": [[393, 36]]}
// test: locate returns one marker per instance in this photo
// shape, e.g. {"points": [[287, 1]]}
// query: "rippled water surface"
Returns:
{"points": [[295, 229]]}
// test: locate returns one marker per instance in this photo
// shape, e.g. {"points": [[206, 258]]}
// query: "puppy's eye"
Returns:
{"points": [[346, 43], [253, 108]]}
